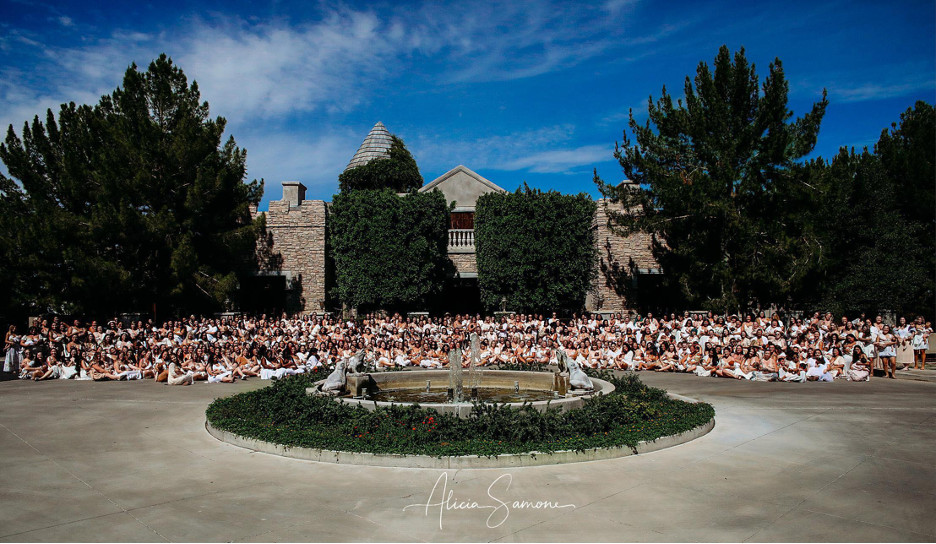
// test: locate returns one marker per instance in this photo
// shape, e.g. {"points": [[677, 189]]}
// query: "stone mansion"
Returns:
{"points": [[294, 260]]}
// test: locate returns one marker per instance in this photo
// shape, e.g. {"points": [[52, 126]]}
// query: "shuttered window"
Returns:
{"points": [[462, 220]]}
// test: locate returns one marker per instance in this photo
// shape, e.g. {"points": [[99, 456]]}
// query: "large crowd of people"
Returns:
{"points": [[223, 350]]}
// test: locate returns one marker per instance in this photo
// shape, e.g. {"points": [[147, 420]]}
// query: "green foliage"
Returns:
{"points": [[715, 185], [906, 153], [284, 414], [129, 203], [390, 251], [535, 249], [878, 242], [397, 172]]}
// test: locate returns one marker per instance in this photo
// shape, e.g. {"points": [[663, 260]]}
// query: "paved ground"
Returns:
{"points": [[786, 462]]}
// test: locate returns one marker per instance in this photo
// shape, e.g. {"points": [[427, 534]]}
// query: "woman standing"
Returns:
{"points": [[886, 345], [904, 349], [11, 343], [919, 342]]}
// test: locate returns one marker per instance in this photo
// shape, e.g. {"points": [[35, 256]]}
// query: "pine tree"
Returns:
{"points": [[132, 202], [715, 184]]}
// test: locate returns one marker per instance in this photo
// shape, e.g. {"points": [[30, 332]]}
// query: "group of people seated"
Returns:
{"points": [[223, 350]]}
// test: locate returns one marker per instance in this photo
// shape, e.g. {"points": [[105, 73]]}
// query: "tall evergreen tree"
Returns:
{"points": [[133, 202], [872, 216], [716, 182]]}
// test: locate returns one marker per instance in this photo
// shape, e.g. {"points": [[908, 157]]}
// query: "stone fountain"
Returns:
{"points": [[541, 390]]}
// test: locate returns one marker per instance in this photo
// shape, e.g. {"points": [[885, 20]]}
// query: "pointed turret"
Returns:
{"points": [[375, 146]]}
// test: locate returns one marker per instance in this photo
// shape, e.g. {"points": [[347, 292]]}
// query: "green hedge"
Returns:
{"points": [[535, 249], [284, 414], [390, 252]]}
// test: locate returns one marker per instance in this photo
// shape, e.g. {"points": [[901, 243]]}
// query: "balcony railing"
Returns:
{"points": [[461, 241]]}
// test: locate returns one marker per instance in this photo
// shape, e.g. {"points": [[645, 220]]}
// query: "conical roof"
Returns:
{"points": [[375, 146]]}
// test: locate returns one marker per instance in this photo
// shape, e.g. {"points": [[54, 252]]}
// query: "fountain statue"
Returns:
{"points": [[335, 381], [577, 377], [357, 365]]}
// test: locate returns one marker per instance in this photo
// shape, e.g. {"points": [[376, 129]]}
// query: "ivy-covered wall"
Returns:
{"points": [[389, 250], [535, 250]]}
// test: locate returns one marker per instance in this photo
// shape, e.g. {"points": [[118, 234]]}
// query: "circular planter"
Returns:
{"points": [[528, 459]]}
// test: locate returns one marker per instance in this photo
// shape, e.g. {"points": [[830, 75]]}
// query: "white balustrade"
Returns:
{"points": [[461, 239]]}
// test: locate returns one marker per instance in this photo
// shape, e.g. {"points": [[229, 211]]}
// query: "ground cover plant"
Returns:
{"points": [[284, 414]]}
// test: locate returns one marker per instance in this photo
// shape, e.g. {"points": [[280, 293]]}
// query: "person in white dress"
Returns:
{"points": [[13, 348], [904, 332], [919, 342], [886, 344]]}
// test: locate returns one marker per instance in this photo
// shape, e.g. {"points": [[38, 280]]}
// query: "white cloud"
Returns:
{"points": [[515, 40], [560, 160], [261, 75], [614, 6], [441, 152], [880, 91], [542, 150], [274, 69], [315, 160]]}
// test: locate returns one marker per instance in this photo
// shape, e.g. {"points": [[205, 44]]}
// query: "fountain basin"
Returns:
{"points": [[413, 382]]}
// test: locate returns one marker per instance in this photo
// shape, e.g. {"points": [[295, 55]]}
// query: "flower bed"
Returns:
{"points": [[284, 414]]}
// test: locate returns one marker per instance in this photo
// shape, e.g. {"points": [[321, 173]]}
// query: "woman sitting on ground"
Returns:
{"points": [[667, 358], [690, 359], [860, 369], [101, 370], [383, 355], [176, 376], [837, 363], [51, 370], [651, 358], [746, 369], [708, 363]]}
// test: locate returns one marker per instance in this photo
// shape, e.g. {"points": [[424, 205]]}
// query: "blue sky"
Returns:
{"points": [[517, 91]]}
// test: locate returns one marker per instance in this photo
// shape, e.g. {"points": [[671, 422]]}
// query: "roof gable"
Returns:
{"points": [[463, 185]]}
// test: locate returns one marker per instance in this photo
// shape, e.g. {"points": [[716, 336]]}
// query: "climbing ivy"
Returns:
{"points": [[535, 250]]}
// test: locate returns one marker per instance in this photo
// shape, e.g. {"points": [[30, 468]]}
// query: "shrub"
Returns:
{"points": [[390, 251], [535, 249]]}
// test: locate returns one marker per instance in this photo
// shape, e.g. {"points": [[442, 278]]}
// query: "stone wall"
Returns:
{"points": [[465, 263], [295, 248], [614, 259]]}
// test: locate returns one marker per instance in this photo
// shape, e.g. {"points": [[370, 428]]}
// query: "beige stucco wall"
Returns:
{"points": [[463, 186]]}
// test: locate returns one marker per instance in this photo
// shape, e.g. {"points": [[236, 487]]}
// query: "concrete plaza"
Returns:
{"points": [[785, 462]]}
